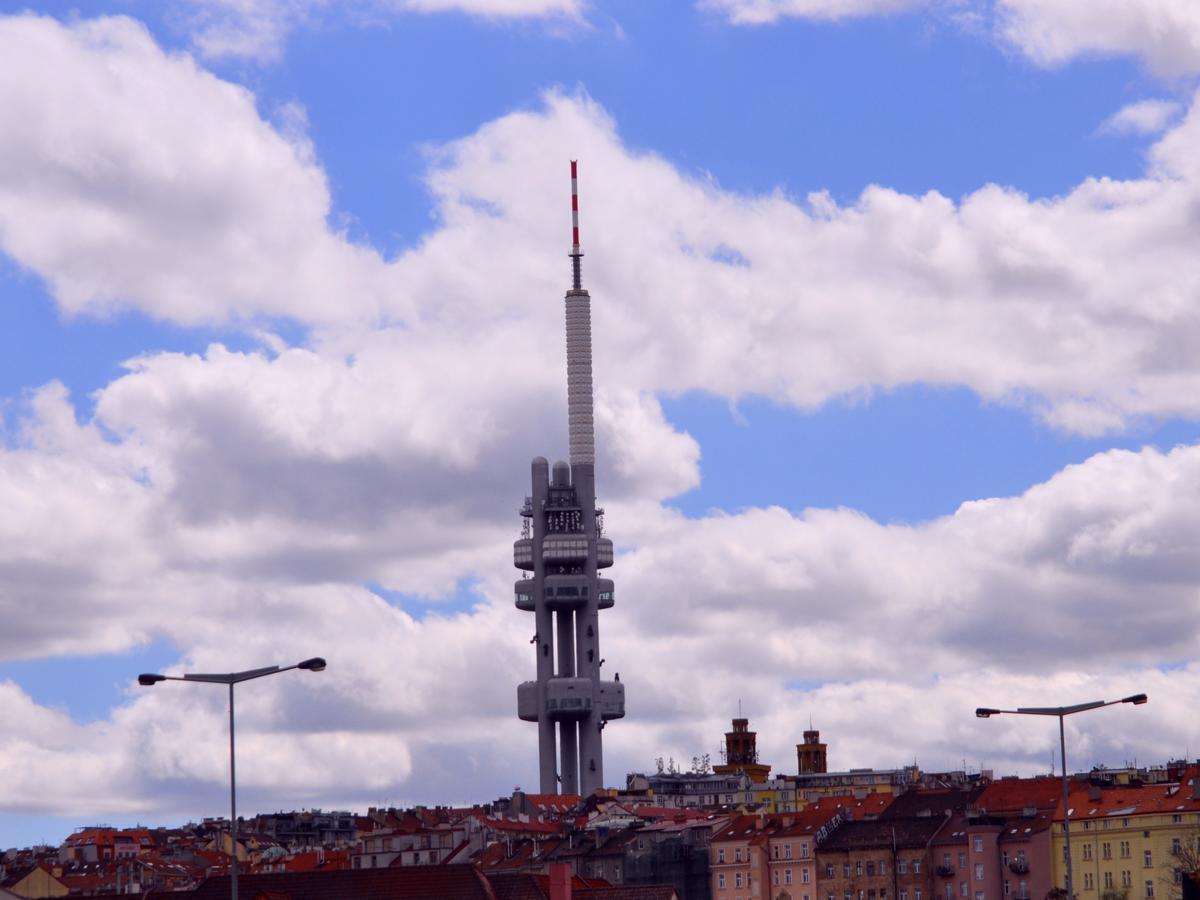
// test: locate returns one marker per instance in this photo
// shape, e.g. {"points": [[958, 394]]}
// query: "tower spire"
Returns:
{"points": [[576, 254], [581, 430]]}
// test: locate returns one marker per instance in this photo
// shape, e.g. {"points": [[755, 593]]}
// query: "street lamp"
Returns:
{"points": [[1062, 712], [316, 664]]}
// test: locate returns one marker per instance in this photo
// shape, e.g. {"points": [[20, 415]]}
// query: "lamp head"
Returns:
{"points": [[1136, 699], [147, 679], [984, 712], [316, 664]]}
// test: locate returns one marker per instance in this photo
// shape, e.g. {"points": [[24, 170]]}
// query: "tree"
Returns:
{"points": [[1182, 864]]}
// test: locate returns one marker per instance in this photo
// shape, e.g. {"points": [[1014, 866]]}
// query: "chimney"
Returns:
{"points": [[560, 881]]}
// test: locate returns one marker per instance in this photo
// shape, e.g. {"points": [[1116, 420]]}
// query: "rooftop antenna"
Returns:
{"points": [[576, 254]]}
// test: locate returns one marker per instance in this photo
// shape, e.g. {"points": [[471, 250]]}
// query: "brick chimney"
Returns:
{"points": [[560, 881]]}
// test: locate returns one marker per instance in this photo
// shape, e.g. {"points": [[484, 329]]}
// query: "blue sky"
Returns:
{"points": [[212, 503]]}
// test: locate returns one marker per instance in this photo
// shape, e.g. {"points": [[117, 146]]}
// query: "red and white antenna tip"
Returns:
{"points": [[574, 210]]}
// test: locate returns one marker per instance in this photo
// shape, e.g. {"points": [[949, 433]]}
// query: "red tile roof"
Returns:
{"points": [[1130, 801], [1012, 795], [627, 892]]}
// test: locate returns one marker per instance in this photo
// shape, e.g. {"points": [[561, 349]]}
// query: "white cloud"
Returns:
{"points": [[170, 201], [1164, 34], [258, 29], [1142, 117], [760, 12], [137, 179]]}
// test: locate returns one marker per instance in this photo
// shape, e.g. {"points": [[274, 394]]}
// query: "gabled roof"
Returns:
{"points": [[1013, 795], [931, 802], [882, 833]]}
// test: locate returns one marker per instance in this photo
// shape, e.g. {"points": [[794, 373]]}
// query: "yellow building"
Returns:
{"points": [[776, 795], [1130, 842]]}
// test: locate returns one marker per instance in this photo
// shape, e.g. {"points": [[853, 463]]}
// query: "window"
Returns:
{"points": [[1126, 878], [1176, 847], [1004, 857], [917, 869], [977, 843], [846, 870], [903, 894], [1087, 851], [883, 867], [804, 875], [916, 894], [1108, 882], [979, 871], [804, 849], [946, 860], [1106, 850], [902, 867], [1176, 818], [787, 876], [1023, 887], [1149, 887], [721, 880], [962, 889], [775, 851], [1088, 884], [737, 879], [858, 867], [775, 878], [737, 854], [871, 868], [1146, 859], [1124, 849], [1007, 888], [787, 851], [962, 860], [828, 870], [720, 854], [979, 895]]}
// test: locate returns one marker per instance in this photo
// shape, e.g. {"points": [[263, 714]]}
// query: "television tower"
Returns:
{"points": [[561, 545]]}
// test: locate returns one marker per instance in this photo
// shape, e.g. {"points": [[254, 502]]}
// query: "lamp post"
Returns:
{"points": [[1062, 712], [316, 664]]}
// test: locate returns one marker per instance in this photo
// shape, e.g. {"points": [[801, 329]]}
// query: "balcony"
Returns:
{"points": [[944, 870], [1019, 866]]}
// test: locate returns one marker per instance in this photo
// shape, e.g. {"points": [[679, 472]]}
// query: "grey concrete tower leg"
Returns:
{"points": [[567, 730], [547, 764], [587, 636]]}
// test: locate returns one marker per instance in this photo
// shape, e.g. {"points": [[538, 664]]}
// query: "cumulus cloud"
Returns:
{"points": [[258, 29], [760, 12], [1142, 117], [248, 506], [181, 216], [1164, 34]]}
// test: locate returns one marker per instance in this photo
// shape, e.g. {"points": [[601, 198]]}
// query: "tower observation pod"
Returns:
{"points": [[562, 548]]}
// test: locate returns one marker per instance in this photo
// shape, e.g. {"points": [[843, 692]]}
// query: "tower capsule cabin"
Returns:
{"points": [[562, 549]]}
